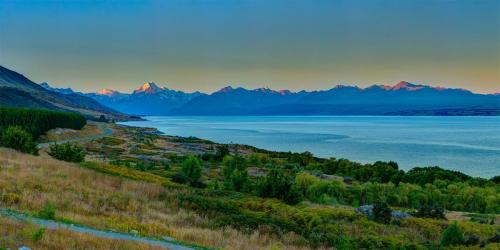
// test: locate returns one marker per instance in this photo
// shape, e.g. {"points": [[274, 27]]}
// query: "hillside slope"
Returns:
{"points": [[19, 91]]}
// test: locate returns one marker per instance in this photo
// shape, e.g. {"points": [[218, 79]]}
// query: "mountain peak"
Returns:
{"points": [[46, 86], [149, 87], [407, 86], [226, 89], [108, 92]]}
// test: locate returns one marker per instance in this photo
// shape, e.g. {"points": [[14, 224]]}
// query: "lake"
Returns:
{"points": [[467, 144]]}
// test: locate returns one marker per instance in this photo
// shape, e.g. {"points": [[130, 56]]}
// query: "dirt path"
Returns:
{"points": [[50, 224], [103, 126]]}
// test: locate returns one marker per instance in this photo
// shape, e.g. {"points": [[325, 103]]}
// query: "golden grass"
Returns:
{"points": [[28, 183], [14, 234]]}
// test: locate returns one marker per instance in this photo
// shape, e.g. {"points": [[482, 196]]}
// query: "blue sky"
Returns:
{"points": [[283, 44]]}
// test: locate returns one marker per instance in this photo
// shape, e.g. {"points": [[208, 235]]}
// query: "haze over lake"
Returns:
{"points": [[467, 144]]}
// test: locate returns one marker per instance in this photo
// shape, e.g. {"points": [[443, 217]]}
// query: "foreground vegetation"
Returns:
{"points": [[241, 197], [154, 206]]}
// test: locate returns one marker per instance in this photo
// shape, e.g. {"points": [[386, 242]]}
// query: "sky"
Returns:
{"points": [[281, 44]]}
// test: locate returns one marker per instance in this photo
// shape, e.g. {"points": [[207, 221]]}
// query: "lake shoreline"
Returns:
{"points": [[187, 121]]}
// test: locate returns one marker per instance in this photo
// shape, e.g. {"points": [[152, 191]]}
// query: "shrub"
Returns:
{"points": [[278, 184], [67, 152], [38, 234], [235, 173], [472, 240], [452, 236], [222, 151], [48, 212], [303, 181], [496, 179], [18, 139], [382, 212], [180, 178], [191, 168], [427, 211]]}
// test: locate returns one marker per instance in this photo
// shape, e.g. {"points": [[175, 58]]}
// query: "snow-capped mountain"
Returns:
{"points": [[148, 99], [403, 98]]}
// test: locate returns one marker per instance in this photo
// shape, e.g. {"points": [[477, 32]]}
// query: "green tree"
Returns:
{"points": [[234, 170], [18, 139], [280, 185], [191, 168], [222, 151], [452, 236], [67, 152]]}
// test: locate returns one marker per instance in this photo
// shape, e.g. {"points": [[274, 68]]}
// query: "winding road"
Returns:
{"points": [[168, 244], [103, 126]]}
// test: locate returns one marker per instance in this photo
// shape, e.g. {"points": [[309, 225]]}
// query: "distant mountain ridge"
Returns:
{"points": [[148, 99], [403, 98], [18, 91]]}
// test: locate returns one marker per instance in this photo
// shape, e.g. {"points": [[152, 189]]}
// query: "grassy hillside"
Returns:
{"points": [[84, 196], [125, 200]]}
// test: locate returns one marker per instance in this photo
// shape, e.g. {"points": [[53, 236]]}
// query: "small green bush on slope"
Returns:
{"points": [[67, 152], [18, 139], [452, 236]]}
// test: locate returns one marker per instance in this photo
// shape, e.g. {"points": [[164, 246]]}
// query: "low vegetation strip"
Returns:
{"points": [[129, 173]]}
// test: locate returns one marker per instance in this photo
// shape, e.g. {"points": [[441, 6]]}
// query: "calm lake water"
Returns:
{"points": [[467, 144]]}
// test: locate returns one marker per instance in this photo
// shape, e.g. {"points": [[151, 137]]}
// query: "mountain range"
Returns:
{"points": [[18, 91], [403, 98]]}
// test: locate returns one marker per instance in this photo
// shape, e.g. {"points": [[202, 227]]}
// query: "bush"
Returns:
{"points": [[496, 179], [235, 173], [67, 152], [191, 168], [48, 212], [452, 236], [38, 234], [222, 151], [430, 212], [18, 139], [382, 212], [278, 184]]}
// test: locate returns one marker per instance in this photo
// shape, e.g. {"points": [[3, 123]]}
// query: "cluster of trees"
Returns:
{"points": [[19, 128], [38, 121], [429, 190], [385, 172], [460, 196]]}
